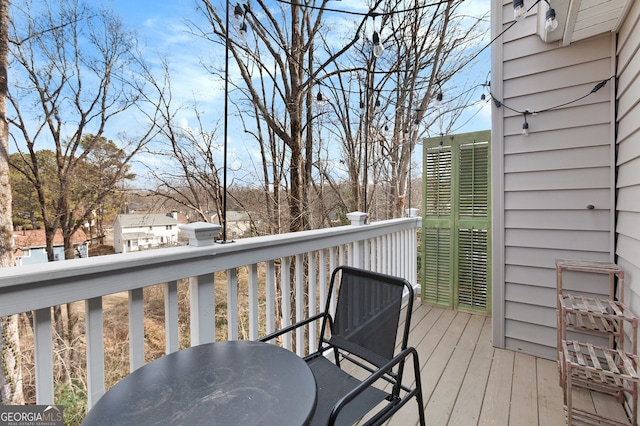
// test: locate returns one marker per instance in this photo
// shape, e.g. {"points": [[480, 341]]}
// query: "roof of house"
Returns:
{"points": [[147, 219], [34, 238], [237, 216]]}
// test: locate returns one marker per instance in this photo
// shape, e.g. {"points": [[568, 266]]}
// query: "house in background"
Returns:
{"points": [[30, 246], [570, 188], [133, 232], [238, 223]]}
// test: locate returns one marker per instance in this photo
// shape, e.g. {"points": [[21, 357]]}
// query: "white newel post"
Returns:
{"points": [[201, 288], [412, 212], [357, 256], [200, 233]]}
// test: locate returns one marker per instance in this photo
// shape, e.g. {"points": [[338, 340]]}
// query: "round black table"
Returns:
{"points": [[222, 383]]}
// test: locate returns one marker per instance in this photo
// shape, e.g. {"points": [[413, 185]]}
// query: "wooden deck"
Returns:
{"points": [[466, 381]]}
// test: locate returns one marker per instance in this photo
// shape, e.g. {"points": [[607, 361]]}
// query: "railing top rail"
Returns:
{"points": [[39, 286]]}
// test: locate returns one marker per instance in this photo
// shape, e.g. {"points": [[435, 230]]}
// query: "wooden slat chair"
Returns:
{"points": [[362, 331]]}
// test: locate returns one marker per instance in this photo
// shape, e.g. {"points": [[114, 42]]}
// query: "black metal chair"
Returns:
{"points": [[362, 335]]}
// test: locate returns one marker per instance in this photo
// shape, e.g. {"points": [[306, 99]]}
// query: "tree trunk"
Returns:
{"points": [[10, 373]]}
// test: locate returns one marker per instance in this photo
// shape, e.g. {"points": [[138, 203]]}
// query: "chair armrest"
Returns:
{"points": [[292, 327], [373, 378]]}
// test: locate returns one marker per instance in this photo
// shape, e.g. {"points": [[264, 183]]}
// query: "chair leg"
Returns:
{"points": [[420, 408], [416, 369]]}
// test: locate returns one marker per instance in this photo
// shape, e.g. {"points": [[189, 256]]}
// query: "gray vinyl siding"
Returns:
{"points": [[628, 161], [544, 183]]}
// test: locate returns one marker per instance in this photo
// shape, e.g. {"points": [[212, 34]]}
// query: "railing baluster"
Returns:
{"points": [[285, 286], [95, 350], [136, 329], [313, 292], [356, 254], [253, 301], [232, 304], [299, 282], [334, 254], [270, 287], [172, 331], [43, 341], [202, 304]]}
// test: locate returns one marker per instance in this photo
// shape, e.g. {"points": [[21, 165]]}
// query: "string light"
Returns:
{"points": [[378, 48], [519, 12], [238, 13], [320, 100], [525, 125], [550, 23]]}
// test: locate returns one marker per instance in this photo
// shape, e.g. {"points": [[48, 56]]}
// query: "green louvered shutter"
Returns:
{"points": [[437, 236], [438, 266], [473, 225], [456, 242]]}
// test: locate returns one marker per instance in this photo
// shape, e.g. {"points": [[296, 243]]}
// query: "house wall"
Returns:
{"points": [[118, 241], [157, 234], [39, 254], [628, 161], [544, 184]]}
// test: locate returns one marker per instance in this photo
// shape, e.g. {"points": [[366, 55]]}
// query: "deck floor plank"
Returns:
{"points": [[444, 396], [524, 401], [468, 406], [549, 393], [497, 399]]}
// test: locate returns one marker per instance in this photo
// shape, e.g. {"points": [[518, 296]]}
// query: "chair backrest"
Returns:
{"points": [[368, 313]]}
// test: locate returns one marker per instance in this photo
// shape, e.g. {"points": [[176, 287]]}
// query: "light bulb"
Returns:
{"points": [[242, 31], [321, 100], [439, 100], [550, 23], [525, 129], [238, 13], [378, 48], [518, 10]]}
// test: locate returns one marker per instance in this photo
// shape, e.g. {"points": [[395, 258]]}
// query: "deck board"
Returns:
{"points": [[524, 390], [497, 399], [444, 396], [549, 393], [471, 395], [466, 381]]}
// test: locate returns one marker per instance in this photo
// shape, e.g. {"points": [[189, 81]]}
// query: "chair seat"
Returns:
{"points": [[332, 383]]}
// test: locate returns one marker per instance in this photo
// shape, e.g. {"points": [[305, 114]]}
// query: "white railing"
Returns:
{"points": [[387, 246]]}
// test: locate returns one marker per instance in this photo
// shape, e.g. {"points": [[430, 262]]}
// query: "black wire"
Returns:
{"points": [[597, 87], [371, 13]]}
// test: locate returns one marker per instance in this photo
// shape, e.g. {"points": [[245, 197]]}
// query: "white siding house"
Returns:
{"points": [[133, 232], [571, 188]]}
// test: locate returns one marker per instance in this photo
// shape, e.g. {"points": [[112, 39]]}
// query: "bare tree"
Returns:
{"points": [[71, 67], [384, 105], [282, 52], [73, 70]]}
